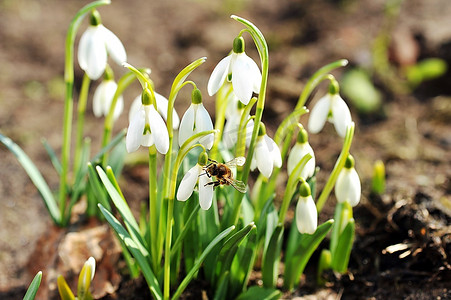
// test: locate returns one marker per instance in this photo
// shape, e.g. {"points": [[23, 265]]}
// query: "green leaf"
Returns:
{"points": [[35, 177], [53, 158], [64, 289], [259, 293], [124, 210], [99, 192], [297, 259], [136, 252], [199, 261], [115, 141], [340, 258], [34, 286], [221, 290], [270, 267]]}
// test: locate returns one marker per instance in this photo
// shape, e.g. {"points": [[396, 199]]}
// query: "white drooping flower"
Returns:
{"points": [[162, 108], [197, 175], [267, 154], [238, 68], [95, 45], [299, 150], [348, 187], [195, 120], [333, 108], [103, 97], [147, 127], [306, 213]]}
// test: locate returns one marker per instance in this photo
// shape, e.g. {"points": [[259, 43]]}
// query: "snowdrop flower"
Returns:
{"points": [[267, 154], [86, 281], [95, 43], [193, 176], [103, 97], [333, 108], [196, 119], [347, 187], [147, 127], [299, 150], [238, 68], [231, 128], [162, 108], [306, 213]]}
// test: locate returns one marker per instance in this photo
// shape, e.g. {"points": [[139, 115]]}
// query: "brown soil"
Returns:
{"points": [[411, 134]]}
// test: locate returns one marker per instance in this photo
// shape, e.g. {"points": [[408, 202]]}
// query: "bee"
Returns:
{"points": [[223, 174]]}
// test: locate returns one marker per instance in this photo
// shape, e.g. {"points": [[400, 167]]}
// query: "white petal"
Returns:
{"points": [[119, 107], [110, 90], [249, 130], [218, 75], [92, 262], [347, 187], [158, 129], [135, 131], [297, 153], [243, 78], [205, 192], [186, 125], [306, 215], [341, 115], [204, 123], [256, 75], [232, 106], [318, 115], [274, 151], [162, 107], [147, 140], [94, 52], [230, 135], [136, 105], [188, 183], [253, 163], [83, 47], [99, 99], [262, 155], [114, 46]]}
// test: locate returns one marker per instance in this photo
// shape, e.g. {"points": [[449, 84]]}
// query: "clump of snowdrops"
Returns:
{"points": [[204, 219]]}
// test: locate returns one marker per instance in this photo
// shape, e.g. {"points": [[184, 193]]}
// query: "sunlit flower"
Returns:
{"points": [[197, 175], [347, 187], [162, 108], [306, 213], [103, 97], [238, 68], [267, 154], [299, 150], [147, 128], [333, 108], [95, 45], [91, 263], [195, 120]]}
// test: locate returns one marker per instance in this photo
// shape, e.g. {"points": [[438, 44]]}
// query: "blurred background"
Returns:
{"points": [[398, 86]]}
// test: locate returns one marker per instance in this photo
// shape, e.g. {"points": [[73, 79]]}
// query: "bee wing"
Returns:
{"points": [[238, 185], [237, 161]]}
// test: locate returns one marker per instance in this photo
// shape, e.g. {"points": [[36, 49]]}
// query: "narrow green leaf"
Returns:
{"points": [[64, 289], [221, 290], [35, 177], [34, 286], [270, 267], [259, 293], [199, 261], [99, 192], [306, 245], [185, 228], [136, 252], [53, 158], [340, 258], [124, 210]]}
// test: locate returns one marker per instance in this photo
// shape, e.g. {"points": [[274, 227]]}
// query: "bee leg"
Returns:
{"points": [[213, 183], [206, 173]]}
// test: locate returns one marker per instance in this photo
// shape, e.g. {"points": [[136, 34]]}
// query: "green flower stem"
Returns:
{"points": [[82, 100], [122, 84], [153, 219], [242, 132], [69, 101], [337, 168], [221, 105], [291, 187], [262, 48], [184, 149]]}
